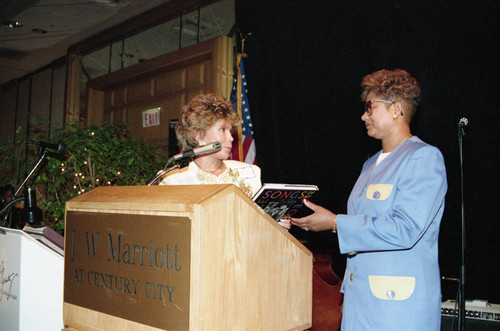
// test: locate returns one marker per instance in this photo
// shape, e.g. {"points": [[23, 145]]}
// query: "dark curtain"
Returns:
{"points": [[305, 63]]}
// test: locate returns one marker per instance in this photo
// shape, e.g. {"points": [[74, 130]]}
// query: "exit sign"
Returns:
{"points": [[151, 117]]}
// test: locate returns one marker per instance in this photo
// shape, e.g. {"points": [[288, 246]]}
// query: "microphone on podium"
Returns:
{"points": [[184, 156], [205, 149]]}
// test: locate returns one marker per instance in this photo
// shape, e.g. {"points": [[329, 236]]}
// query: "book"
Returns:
{"points": [[47, 236], [283, 200]]}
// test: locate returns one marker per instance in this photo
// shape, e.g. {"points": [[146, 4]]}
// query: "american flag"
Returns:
{"points": [[243, 144]]}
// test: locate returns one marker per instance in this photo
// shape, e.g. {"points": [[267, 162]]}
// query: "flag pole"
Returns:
{"points": [[242, 133], [238, 95], [239, 107]]}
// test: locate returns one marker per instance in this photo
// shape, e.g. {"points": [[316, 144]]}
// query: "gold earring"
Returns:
{"points": [[394, 116]]}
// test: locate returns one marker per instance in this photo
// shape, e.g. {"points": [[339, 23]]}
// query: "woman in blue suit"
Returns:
{"points": [[390, 233]]}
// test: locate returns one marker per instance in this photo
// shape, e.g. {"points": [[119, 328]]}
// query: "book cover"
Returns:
{"points": [[47, 236], [283, 200]]}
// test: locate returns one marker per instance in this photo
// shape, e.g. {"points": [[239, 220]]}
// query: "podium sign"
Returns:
{"points": [[130, 266]]}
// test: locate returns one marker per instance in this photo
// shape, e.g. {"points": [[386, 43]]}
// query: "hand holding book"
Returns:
{"points": [[283, 200], [322, 219]]}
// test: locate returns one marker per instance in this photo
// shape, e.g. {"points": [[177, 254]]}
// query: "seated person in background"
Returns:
{"points": [[11, 217], [206, 119]]}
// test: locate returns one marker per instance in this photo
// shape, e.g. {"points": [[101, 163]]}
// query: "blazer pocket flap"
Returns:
{"points": [[379, 191], [391, 287]]}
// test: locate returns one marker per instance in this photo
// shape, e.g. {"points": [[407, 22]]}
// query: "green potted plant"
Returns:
{"points": [[96, 155]]}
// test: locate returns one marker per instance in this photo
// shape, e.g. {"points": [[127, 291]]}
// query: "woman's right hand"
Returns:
{"points": [[322, 219]]}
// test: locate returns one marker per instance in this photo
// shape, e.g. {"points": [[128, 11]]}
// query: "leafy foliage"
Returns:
{"points": [[97, 156]]}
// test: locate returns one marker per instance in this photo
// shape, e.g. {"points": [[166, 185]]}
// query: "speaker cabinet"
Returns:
{"points": [[450, 323]]}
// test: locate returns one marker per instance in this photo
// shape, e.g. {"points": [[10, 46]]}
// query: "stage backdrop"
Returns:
{"points": [[305, 63]]}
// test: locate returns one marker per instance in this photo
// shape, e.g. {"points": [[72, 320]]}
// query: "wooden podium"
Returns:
{"points": [[201, 257]]}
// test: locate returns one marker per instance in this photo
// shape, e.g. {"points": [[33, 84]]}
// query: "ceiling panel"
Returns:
{"points": [[49, 27]]}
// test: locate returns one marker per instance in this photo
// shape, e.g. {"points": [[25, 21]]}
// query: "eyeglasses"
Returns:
{"points": [[369, 106]]}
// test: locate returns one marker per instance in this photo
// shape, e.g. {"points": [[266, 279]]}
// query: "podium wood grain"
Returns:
{"points": [[247, 273]]}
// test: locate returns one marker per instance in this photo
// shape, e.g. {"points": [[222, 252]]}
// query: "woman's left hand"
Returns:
{"points": [[285, 223], [322, 219]]}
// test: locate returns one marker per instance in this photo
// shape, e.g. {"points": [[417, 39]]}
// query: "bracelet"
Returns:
{"points": [[334, 230]]}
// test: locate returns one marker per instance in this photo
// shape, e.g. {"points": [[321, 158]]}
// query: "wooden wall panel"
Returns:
{"points": [[140, 91], [109, 99], [58, 90], [153, 134], [171, 109], [73, 88], [168, 81], [157, 135], [40, 95], [120, 97], [8, 119], [196, 75], [96, 99], [120, 115], [23, 106]]}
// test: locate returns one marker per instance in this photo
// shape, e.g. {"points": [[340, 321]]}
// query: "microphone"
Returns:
{"points": [[463, 122], [205, 149], [60, 148]]}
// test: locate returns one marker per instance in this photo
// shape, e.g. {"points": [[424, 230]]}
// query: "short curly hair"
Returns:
{"points": [[199, 115], [393, 85]]}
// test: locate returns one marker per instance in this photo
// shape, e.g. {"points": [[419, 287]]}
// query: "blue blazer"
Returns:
{"points": [[392, 279]]}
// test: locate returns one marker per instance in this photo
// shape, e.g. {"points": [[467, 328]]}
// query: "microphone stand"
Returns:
{"points": [[182, 163], [43, 153], [461, 310]]}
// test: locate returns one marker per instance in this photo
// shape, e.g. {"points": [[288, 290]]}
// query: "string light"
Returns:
{"points": [[12, 24]]}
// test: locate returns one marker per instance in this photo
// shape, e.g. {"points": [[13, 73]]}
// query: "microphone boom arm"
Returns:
{"points": [[182, 163], [185, 157], [43, 154]]}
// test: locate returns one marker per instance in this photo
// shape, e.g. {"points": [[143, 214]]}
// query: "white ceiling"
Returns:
{"points": [[49, 27]]}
